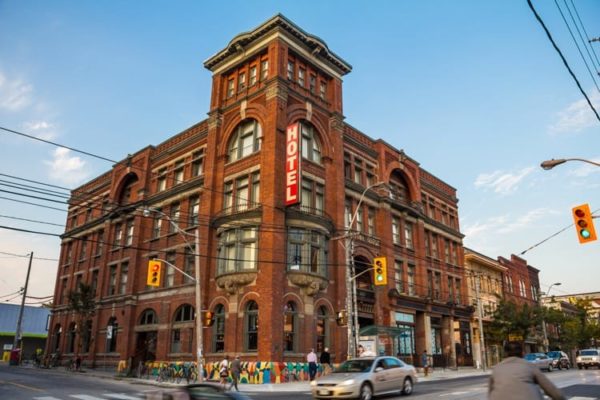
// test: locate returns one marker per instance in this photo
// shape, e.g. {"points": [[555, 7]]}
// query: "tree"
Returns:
{"points": [[511, 319], [81, 302]]}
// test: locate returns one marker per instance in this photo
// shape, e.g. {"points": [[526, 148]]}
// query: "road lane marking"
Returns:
{"points": [[22, 386], [86, 397], [121, 396], [46, 398]]}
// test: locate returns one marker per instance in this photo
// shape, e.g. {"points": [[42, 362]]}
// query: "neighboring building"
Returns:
{"points": [[33, 327], [273, 268], [522, 286], [485, 284]]}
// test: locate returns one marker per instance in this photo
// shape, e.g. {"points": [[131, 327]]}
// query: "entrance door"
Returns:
{"points": [[145, 348]]}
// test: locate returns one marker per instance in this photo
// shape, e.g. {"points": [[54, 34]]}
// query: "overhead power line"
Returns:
{"points": [[58, 145], [562, 58]]}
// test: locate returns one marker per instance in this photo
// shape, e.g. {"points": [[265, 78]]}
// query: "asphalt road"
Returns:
{"points": [[33, 384]]}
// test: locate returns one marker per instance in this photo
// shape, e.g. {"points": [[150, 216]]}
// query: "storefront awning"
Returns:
{"points": [[376, 330]]}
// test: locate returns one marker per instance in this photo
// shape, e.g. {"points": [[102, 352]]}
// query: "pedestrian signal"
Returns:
{"points": [[154, 268], [342, 318], [380, 271], [584, 224]]}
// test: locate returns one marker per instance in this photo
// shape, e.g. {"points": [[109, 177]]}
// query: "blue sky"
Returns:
{"points": [[473, 90]]}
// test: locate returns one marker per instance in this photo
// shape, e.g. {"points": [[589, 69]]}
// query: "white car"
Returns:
{"points": [[588, 358], [364, 378]]}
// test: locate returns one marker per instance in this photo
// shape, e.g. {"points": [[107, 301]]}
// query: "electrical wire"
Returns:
{"points": [[539, 19], [32, 220], [586, 34]]}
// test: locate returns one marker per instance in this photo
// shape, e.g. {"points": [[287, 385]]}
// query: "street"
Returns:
{"points": [[39, 384]]}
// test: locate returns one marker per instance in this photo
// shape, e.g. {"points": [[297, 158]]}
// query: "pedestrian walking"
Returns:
{"points": [[236, 370], [311, 358], [325, 360], [516, 379], [425, 362], [224, 370]]}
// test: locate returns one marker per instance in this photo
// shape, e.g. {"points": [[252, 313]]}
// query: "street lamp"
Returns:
{"points": [[544, 319], [549, 164], [351, 301], [196, 249]]}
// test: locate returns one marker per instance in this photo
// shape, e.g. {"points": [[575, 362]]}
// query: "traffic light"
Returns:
{"points": [[154, 268], [208, 318], [584, 224], [342, 318], [380, 271]]}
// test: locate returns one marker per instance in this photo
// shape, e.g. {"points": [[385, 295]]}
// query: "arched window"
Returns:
{"points": [[219, 329], [182, 331], [251, 327], [290, 327], [127, 194], [398, 187], [56, 338], [246, 140], [322, 329], [311, 148], [111, 335], [148, 317], [71, 338]]}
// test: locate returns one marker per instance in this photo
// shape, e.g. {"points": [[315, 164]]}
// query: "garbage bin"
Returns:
{"points": [[15, 357]]}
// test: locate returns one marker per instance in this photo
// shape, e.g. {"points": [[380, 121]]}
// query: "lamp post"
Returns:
{"points": [[549, 164], [196, 248], [544, 319], [351, 301]]}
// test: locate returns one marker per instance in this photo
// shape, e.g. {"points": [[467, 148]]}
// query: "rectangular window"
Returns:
{"points": [[123, 280], [237, 250], [94, 283], [83, 252], [253, 75], [178, 175], [175, 214], [198, 163], [156, 224], [69, 253], [358, 172], [301, 77], [230, 87], [396, 230], [189, 266], [241, 81], [323, 90], [63, 291], [176, 341], [88, 215], [427, 245], [411, 279], [112, 280], [161, 184], [359, 219], [194, 210], [118, 236], [255, 189], [129, 237], [100, 243], [447, 250], [347, 213], [371, 221], [437, 288], [434, 246], [450, 289], [408, 235], [457, 284], [312, 83], [243, 191], [398, 273], [290, 70], [264, 69], [170, 272]]}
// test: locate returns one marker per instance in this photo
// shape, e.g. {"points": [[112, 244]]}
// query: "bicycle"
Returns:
{"points": [[289, 376], [164, 373], [190, 373], [143, 370]]}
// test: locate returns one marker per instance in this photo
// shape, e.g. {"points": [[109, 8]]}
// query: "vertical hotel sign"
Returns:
{"points": [[292, 164]]}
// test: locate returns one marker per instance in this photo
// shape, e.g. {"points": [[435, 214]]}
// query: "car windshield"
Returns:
{"points": [[554, 354], [589, 352], [355, 366], [530, 357]]}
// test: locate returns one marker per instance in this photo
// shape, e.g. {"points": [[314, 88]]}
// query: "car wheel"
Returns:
{"points": [[366, 392], [559, 366], [585, 366], [568, 366], [579, 366], [407, 387], [550, 368]]}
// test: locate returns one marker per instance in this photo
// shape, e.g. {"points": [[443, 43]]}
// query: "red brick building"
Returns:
{"points": [[272, 274]]}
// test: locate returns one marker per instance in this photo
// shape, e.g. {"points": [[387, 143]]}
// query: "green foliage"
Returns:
{"points": [[513, 319], [81, 302]]}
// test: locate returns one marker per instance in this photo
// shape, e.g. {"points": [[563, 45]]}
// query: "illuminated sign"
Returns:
{"points": [[292, 164]]}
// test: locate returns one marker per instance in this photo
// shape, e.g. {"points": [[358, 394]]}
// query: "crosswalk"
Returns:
{"points": [[103, 396]]}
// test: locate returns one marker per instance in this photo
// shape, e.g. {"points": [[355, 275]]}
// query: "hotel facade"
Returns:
{"points": [[270, 183]]}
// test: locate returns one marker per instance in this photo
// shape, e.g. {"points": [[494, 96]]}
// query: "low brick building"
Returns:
{"points": [[270, 182]]}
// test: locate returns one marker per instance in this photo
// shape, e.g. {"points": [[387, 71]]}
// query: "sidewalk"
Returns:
{"points": [[304, 386]]}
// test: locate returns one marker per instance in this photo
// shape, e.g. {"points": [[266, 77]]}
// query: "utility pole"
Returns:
{"points": [[20, 319], [480, 312]]}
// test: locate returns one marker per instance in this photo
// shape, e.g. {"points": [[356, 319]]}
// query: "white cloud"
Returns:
{"points": [[576, 116], [40, 129], [585, 169], [526, 220], [14, 94], [502, 182], [67, 169]]}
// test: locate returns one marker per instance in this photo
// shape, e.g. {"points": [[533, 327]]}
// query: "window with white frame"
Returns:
{"points": [[174, 214], [307, 251], [252, 75], [161, 184], [238, 249], [194, 210], [311, 148], [312, 196], [242, 193], [198, 162], [264, 69], [396, 230], [246, 140], [178, 172], [129, 233]]}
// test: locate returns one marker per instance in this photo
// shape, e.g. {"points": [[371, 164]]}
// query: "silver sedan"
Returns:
{"points": [[540, 360], [364, 378]]}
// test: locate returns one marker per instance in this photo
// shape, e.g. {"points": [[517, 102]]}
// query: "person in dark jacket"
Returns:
{"points": [[325, 360], [236, 370], [516, 379]]}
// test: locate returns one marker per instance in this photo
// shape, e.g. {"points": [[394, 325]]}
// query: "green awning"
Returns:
{"points": [[377, 330]]}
